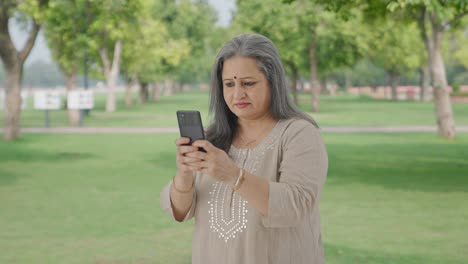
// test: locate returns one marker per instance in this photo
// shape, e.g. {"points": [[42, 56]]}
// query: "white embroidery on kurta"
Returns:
{"points": [[226, 226], [229, 226]]}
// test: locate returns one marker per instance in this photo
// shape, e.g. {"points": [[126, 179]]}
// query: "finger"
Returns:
{"points": [[200, 164], [186, 149], [182, 141], [194, 166], [189, 160], [197, 154], [204, 144]]}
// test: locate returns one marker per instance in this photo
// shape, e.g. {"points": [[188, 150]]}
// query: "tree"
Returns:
{"points": [[65, 31], [191, 22], [306, 35], [150, 49], [279, 23], [436, 17], [13, 59], [196, 22], [395, 47], [109, 24]]}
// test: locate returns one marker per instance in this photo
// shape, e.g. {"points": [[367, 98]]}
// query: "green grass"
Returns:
{"points": [[343, 110], [348, 110], [389, 198]]}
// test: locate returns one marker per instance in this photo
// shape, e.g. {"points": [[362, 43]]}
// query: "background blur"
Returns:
{"points": [[387, 82]]}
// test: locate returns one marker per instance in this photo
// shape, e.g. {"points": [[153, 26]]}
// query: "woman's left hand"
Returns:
{"points": [[215, 162]]}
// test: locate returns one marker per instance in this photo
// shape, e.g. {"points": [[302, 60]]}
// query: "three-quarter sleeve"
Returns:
{"points": [[302, 172], [166, 204]]}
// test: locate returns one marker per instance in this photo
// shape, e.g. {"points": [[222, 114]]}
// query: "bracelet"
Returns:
{"points": [[179, 191], [239, 181]]}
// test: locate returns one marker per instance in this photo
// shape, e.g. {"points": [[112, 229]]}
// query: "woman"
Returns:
{"points": [[255, 192]]}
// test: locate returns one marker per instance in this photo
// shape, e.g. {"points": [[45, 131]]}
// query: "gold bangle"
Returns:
{"points": [[239, 181], [179, 191]]}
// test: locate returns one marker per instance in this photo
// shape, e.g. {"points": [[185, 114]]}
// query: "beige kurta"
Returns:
{"points": [[229, 230]]}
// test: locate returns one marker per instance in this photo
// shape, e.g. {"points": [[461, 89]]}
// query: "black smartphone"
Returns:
{"points": [[190, 125]]}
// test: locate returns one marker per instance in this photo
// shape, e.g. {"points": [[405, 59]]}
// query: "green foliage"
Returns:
{"points": [[66, 33], [34, 9], [279, 23], [195, 23], [149, 46], [444, 11], [293, 26], [365, 73], [74, 26], [395, 46], [460, 43]]}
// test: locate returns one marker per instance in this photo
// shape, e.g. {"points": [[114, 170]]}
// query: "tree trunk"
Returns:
{"points": [[144, 93], [129, 91], [394, 80], [443, 105], [294, 88], [13, 61], [323, 86], [111, 72], [347, 80], [73, 114], [168, 87], [424, 82], [156, 92], [333, 87], [177, 87], [315, 86], [294, 78], [128, 95], [12, 113]]}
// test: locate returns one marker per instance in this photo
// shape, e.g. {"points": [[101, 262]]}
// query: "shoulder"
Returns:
{"points": [[298, 126], [299, 132]]}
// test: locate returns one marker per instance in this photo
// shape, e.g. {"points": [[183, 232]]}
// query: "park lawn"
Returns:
{"points": [[389, 198], [342, 110]]}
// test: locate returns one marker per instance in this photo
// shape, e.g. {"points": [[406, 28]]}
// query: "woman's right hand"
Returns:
{"points": [[184, 176]]}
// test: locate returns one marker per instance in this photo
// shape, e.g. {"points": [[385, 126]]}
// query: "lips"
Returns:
{"points": [[242, 105]]}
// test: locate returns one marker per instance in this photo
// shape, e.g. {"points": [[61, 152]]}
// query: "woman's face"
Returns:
{"points": [[246, 89]]}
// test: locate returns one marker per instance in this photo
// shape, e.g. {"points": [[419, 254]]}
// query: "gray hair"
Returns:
{"points": [[224, 126]]}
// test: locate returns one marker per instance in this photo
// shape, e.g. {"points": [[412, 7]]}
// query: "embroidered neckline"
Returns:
{"points": [[264, 141]]}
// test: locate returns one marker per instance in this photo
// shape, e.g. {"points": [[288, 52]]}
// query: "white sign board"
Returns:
{"points": [[47, 100], [24, 100], [80, 99]]}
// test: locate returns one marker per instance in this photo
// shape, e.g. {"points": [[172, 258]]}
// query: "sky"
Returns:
{"points": [[42, 52]]}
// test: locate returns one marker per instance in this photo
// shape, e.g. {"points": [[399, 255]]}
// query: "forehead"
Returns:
{"points": [[240, 67]]}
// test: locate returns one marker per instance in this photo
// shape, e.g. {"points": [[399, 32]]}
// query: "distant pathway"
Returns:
{"points": [[139, 130]]}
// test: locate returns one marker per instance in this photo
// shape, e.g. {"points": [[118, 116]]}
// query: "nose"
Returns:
{"points": [[239, 91]]}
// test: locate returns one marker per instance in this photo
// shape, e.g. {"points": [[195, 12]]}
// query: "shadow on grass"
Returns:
{"points": [[340, 254], [406, 166], [19, 151], [7, 177]]}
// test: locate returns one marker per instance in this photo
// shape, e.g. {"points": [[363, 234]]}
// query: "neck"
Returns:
{"points": [[255, 126]]}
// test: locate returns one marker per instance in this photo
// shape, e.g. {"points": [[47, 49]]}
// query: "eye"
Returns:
{"points": [[249, 83], [229, 84]]}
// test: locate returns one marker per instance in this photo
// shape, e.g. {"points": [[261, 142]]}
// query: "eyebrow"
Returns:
{"points": [[247, 77]]}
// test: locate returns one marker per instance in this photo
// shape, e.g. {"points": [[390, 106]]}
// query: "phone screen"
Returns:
{"points": [[190, 125]]}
